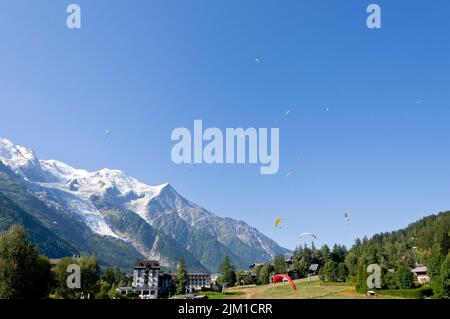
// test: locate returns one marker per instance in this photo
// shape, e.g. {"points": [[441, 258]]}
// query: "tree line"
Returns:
{"points": [[26, 274], [423, 243]]}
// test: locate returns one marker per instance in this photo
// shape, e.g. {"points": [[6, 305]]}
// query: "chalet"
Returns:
{"points": [[421, 274], [256, 265], [313, 269]]}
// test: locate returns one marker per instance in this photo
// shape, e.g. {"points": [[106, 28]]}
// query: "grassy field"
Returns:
{"points": [[226, 295], [313, 289]]}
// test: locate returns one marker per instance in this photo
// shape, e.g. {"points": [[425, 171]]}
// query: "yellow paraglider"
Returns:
{"points": [[277, 221]]}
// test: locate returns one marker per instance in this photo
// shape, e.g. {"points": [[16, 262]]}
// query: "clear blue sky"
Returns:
{"points": [[143, 68]]}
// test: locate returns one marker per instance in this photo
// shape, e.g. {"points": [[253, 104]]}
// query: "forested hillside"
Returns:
{"points": [[409, 246], [422, 243]]}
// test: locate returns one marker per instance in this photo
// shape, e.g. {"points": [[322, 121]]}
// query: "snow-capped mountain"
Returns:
{"points": [[152, 219]]}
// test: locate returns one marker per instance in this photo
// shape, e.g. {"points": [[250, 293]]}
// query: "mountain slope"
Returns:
{"points": [[149, 221], [183, 219], [110, 251], [46, 241], [151, 242]]}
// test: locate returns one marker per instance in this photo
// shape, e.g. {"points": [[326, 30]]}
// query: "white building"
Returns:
{"points": [[214, 278], [197, 281], [146, 279]]}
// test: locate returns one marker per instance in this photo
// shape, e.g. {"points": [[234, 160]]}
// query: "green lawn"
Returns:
{"points": [[306, 289], [313, 289], [226, 295]]}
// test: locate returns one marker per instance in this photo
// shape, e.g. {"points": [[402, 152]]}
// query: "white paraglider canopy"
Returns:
{"points": [[307, 234]]}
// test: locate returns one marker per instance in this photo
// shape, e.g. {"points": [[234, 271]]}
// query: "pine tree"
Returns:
{"points": [[342, 272], [445, 275], [264, 275], [441, 283], [405, 277], [325, 254], [280, 264], [181, 277], [361, 278], [338, 253], [228, 272], [333, 272], [435, 261], [351, 261]]}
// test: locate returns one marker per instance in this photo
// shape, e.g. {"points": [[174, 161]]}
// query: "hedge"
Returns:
{"points": [[419, 293]]}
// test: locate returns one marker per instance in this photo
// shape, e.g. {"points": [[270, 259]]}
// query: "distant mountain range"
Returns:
{"points": [[118, 218]]}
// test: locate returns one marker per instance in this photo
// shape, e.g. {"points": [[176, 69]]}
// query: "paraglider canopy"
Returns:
{"points": [[347, 217], [307, 234], [277, 278], [277, 221]]}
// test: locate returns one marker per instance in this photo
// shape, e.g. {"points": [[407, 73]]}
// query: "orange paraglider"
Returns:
{"points": [[278, 277]]}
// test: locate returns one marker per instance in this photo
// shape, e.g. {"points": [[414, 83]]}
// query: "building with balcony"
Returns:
{"points": [[146, 279], [197, 281]]}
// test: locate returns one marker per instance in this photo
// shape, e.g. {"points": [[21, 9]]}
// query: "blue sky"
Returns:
{"points": [[142, 68]]}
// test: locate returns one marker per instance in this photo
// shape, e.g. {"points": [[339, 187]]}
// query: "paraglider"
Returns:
{"points": [[347, 218], [308, 234], [282, 277], [277, 221]]}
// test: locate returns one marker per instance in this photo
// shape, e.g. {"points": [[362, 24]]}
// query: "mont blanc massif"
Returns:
{"points": [[69, 211]]}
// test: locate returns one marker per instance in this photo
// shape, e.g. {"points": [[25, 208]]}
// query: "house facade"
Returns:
{"points": [[197, 281], [165, 285], [421, 274], [146, 279], [214, 278]]}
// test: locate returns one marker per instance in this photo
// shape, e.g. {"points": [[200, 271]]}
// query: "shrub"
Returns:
{"points": [[419, 293], [390, 280], [405, 278]]}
